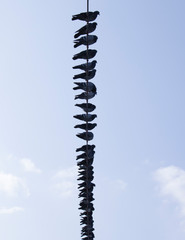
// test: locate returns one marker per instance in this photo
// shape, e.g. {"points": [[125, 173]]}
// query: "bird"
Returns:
{"points": [[89, 126], [87, 40], [86, 16], [88, 184], [84, 168], [86, 66], [84, 172], [85, 86], [88, 136], [87, 107], [88, 28], [85, 95], [84, 155], [85, 117], [86, 147], [85, 163], [86, 76], [87, 54], [83, 178]]}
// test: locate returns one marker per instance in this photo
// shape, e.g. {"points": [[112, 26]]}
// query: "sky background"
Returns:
{"points": [[139, 161]]}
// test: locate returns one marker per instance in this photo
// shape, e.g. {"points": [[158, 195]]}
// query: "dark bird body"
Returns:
{"points": [[85, 86], [85, 163], [88, 136], [84, 16], [87, 54], [89, 126], [88, 28], [87, 107], [86, 76], [86, 147], [86, 66], [90, 39], [85, 95], [84, 155], [85, 117]]}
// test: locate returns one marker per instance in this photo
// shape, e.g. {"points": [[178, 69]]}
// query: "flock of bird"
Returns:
{"points": [[89, 90]]}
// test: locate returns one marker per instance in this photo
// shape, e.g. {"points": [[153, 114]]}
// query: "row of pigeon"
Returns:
{"points": [[86, 158]]}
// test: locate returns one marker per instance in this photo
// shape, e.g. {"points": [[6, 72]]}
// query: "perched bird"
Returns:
{"points": [[86, 206], [84, 16], [88, 184], [85, 86], [84, 155], [86, 66], [84, 172], [89, 126], [86, 76], [88, 136], [90, 39], [86, 117], [86, 168], [83, 178], [87, 54], [85, 95], [86, 147], [85, 163], [88, 28], [87, 107]]}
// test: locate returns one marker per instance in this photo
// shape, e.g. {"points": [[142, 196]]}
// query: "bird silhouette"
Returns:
{"points": [[87, 54], [86, 66], [88, 28], [86, 16]]}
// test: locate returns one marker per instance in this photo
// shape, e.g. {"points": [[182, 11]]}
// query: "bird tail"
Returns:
{"points": [[75, 77], [77, 44], [76, 97], [76, 88], [74, 17], [76, 67], [75, 57], [77, 35]]}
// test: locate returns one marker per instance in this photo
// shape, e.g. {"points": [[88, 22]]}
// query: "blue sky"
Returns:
{"points": [[139, 161]]}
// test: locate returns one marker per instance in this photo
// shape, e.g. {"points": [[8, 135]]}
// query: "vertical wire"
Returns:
{"points": [[87, 115]]}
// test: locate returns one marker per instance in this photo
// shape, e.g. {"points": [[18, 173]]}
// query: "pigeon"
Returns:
{"points": [[86, 16], [84, 194], [87, 40], [84, 172], [84, 155], [88, 28], [84, 162], [85, 204], [88, 136], [87, 54], [86, 147], [86, 76], [86, 117], [85, 86], [87, 107], [89, 126], [83, 178], [85, 95], [88, 185], [84, 168], [86, 66]]}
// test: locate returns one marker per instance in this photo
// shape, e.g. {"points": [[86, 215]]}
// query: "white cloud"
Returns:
{"points": [[66, 181], [12, 185], [29, 166], [171, 181], [11, 210]]}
